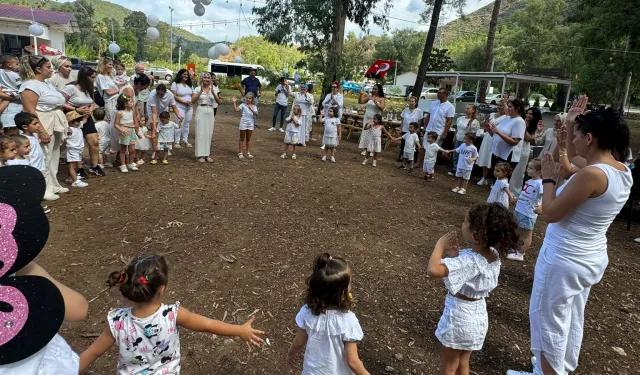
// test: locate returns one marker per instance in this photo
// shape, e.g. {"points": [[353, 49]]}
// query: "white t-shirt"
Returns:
{"points": [[466, 152], [462, 127], [103, 132], [59, 82], [530, 198], [10, 81], [499, 193], [36, 156], [327, 334], [77, 98], [48, 97], [247, 116], [410, 142], [282, 97], [183, 92], [161, 104], [331, 126], [408, 117], [105, 83], [291, 126], [514, 128], [75, 140], [431, 152], [438, 115], [166, 132], [17, 162]]}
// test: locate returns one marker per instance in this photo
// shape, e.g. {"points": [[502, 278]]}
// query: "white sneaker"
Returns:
{"points": [[272, 129], [123, 169], [455, 189], [482, 182], [462, 191], [169, 153], [374, 163], [283, 156], [281, 130], [52, 197], [364, 153], [333, 160], [517, 257], [79, 183], [322, 147], [240, 155], [364, 162], [177, 145], [514, 372], [324, 158], [249, 155], [534, 361], [133, 167], [450, 173], [62, 190], [293, 156]]}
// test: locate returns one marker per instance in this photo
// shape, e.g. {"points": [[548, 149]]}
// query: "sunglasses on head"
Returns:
{"points": [[37, 60]]}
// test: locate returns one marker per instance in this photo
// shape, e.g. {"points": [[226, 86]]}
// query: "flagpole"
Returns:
{"points": [[395, 73]]}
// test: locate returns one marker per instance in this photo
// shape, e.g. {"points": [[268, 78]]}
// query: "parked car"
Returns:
{"points": [[350, 86], [160, 72], [495, 98], [464, 96], [431, 94]]}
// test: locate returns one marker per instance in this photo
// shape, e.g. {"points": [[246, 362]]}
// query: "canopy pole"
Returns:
{"points": [[477, 89], [455, 90], [566, 103], [504, 83], [518, 89]]}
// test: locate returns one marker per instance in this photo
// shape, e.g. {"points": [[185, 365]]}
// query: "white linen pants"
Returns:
{"points": [[187, 115], [51, 162], [561, 287], [304, 122], [517, 177]]}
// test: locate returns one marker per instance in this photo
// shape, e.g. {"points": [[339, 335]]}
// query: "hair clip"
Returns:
{"points": [[121, 279], [330, 257], [143, 280]]}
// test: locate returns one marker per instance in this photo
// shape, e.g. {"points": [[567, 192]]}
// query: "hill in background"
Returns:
{"points": [[478, 22]]}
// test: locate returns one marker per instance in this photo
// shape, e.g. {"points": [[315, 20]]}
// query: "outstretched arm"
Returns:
{"points": [[96, 350]]}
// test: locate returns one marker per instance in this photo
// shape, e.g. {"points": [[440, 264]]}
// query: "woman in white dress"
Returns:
{"points": [[182, 89], [484, 160], [204, 97], [109, 91], [305, 101], [517, 177], [375, 104]]}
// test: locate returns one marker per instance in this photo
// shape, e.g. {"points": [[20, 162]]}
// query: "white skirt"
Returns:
{"points": [[291, 138], [375, 144], [330, 142], [463, 324], [365, 138], [484, 157]]}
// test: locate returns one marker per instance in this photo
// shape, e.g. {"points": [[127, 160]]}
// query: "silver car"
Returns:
{"points": [[160, 72]]}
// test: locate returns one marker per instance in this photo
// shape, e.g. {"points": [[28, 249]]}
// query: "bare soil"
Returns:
{"points": [[273, 217]]}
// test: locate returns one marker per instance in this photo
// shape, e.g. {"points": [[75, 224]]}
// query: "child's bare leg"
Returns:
{"points": [[241, 141], [132, 152], [450, 361], [123, 151], [249, 132], [375, 155], [463, 365], [165, 154], [294, 148], [72, 172], [3, 105], [464, 183], [286, 148], [526, 236]]}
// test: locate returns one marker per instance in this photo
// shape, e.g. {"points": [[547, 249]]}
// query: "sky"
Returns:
{"points": [[229, 10]]}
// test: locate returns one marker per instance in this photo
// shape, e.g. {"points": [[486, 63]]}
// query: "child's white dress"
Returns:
{"points": [[292, 134], [143, 143], [464, 324], [499, 194], [55, 358], [330, 137], [375, 142], [325, 346]]}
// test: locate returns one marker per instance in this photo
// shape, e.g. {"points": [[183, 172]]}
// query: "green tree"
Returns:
{"points": [[358, 54], [258, 50], [403, 46], [136, 22]]}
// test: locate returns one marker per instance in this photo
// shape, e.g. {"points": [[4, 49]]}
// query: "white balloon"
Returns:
{"points": [[213, 54], [36, 30], [114, 48], [238, 59], [199, 10], [153, 33], [205, 2], [152, 20], [222, 49]]}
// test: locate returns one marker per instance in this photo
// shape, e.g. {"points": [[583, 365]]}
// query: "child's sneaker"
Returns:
{"points": [[364, 153], [283, 156], [240, 155], [123, 169], [79, 183], [293, 156], [333, 160], [165, 162], [364, 162], [482, 182], [374, 163], [169, 153], [462, 191], [322, 147], [324, 158], [249, 156], [140, 162], [154, 162], [455, 189], [516, 256], [133, 167]]}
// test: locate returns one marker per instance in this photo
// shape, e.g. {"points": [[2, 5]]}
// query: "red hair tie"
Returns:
{"points": [[143, 280], [121, 279]]}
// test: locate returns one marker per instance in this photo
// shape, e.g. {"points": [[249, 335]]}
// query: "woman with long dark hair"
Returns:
{"points": [[182, 89], [533, 118], [79, 97], [508, 134], [375, 104]]}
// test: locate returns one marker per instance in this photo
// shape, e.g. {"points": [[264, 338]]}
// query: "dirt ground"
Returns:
{"points": [[273, 217]]}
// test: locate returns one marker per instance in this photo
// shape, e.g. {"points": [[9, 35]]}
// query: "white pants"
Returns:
{"points": [[517, 177], [51, 161], [302, 131], [187, 114], [561, 287]]}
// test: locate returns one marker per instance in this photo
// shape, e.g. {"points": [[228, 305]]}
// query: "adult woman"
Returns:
{"points": [[305, 101], [464, 125], [204, 96], [531, 123], [43, 100], [62, 77], [573, 256], [333, 100], [484, 160], [159, 101], [133, 89], [375, 104], [410, 114], [507, 135], [108, 89], [79, 97], [547, 138], [182, 89]]}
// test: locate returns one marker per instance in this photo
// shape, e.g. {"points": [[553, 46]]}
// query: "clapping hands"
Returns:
{"points": [[451, 244]]}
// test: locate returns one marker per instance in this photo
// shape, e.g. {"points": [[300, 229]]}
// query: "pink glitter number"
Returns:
{"points": [[8, 245], [11, 323]]}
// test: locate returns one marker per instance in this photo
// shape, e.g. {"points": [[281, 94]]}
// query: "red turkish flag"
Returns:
{"points": [[379, 69]]}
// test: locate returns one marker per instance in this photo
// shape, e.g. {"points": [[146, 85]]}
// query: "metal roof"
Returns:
{"points": [[518, 77], [41, 16]]}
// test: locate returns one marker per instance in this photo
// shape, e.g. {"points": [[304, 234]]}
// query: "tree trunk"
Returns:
{"points": [[488, 51], [333, 65], [428, 46]]}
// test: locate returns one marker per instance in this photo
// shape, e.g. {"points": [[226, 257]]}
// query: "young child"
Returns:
{"points": [[411, 141], [75, 146], [325, 323], [104, 137], [147, 334], [8, 149], [29, 125], [143, 144], [528, 208], [23, 148], [332, 134], [469, 276], [292, 134], [125, 124], [9, 85], [121, 79], [375, 144], [166, 136], [469, 155], [500, 192], [247, 123], [430, 155]]}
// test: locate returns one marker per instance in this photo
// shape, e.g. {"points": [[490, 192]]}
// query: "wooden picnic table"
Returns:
{"points": [[353, 122]]}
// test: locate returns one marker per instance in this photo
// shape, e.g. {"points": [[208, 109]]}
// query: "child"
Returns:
{"points": [[8, 149], [528, 208], [166, 136], [325, 323], [292, 134], [411, 141], [247, 123], [469, 276], [125, 123], [500, 192], [147, 334], [121, 79], [23, 148], [104, 138], [75, 146], [375, 144], [29, 124], [9, 85], [332, 133], [430, 155], [143, 144], [469, 154]]}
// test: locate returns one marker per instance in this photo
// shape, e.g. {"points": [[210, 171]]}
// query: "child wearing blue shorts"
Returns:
{"points": [[528, 207]]}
